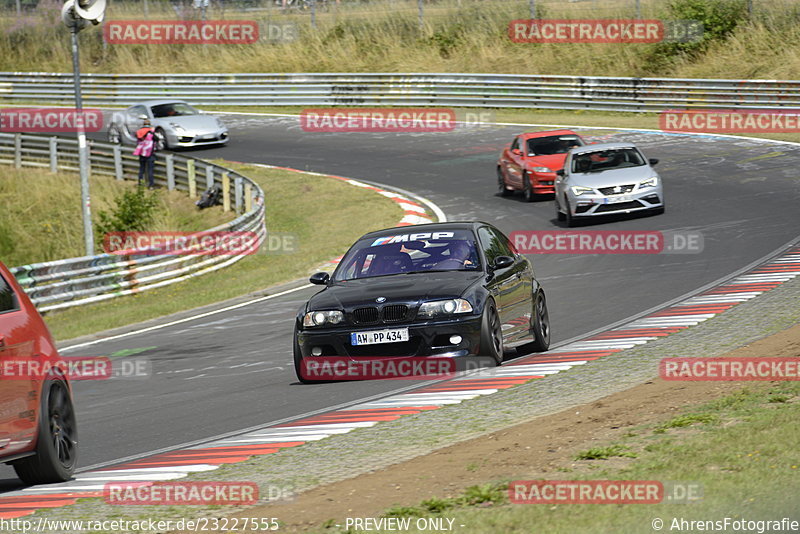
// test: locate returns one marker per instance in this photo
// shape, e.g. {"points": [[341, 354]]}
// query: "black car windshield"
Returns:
{"points": [[553, 144], [604, 160], [410, 252], [173, 109]]}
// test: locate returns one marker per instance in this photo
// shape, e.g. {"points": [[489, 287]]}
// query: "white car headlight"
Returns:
{"points": [[178, 128], [579, 190], [542, 169], [650, 182], [320, 318], [437, 308]]}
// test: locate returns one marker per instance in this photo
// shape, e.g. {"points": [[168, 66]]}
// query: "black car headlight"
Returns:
{"points": [[438, 308], [320, 318]]}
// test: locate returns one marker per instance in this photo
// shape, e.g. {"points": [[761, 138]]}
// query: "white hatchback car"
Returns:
{"points": [[606, 179]]}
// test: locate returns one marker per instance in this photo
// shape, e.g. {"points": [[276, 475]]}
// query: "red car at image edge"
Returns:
{"points": [[530, 162], [38, 430]]}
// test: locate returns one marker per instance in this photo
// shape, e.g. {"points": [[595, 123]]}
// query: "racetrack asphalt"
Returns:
{"points": [[233, 370]]}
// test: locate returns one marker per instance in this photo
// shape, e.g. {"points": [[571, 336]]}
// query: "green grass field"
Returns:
{"points": [[41, 215], [318, 212], [738, 452]]}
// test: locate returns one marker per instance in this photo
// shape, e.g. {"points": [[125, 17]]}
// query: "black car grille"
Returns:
{"points": [[394, 313], [365, 315], [613, 190], [403, 348], [602, 208]]}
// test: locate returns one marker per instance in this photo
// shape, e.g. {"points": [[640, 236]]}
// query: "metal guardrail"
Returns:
{"points": [[60, 284], [376, 89]]}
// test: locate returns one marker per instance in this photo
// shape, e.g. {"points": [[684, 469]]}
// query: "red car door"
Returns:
{"points": [[514, 164], [19, 345]]}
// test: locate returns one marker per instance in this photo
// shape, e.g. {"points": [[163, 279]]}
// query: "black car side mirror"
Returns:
{"points": [[501, 262], [319, 278], [561, 172], [653, 161]]}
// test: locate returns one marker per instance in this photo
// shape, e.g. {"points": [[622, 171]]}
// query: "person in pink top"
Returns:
{"points": [[146, 150]]}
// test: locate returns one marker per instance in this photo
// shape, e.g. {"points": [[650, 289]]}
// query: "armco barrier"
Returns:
{"points": [[71, 282], [368, 89]]}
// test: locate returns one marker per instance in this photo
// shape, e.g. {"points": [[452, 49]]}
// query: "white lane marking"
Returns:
{"points": [[195, 468]]}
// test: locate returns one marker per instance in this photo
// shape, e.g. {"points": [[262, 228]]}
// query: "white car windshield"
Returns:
{"points": [[604, 160]]}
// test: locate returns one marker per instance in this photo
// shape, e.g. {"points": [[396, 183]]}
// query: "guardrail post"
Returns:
{"points": [[237, 193], [54, 154], [17, 151], [170, 159], [190, 176], [248, 197], [209, 176], [226, 192], [118, 163]]}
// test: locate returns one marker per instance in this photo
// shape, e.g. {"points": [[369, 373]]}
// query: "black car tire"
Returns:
{"points": [[540, 323], [502, 190], [57, 440], [527, 188], [568, 217], [161, 140], [491, 334], [114, 135], [559, 216]]}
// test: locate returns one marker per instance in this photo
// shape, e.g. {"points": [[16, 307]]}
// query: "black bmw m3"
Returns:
{"points": [[435, 290]]}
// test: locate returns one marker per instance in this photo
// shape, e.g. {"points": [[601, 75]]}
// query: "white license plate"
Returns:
{"points": [[395, 335], [616, 200]]}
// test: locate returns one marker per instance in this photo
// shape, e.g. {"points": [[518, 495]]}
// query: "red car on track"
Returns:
{"points": [[38, 431], [530, 162]]}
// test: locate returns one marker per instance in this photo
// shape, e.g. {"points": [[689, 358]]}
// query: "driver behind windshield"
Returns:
{"points": [[459, 257]]}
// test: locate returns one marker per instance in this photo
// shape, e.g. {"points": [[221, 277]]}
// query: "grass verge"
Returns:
{"points": [[740, 449], [41, 216], [455, 36], [318, 212]]}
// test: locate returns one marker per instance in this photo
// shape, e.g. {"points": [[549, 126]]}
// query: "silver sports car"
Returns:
{"points": [[177, 124], [605, 179]]}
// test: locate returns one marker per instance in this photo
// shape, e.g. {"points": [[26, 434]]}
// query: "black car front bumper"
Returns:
{"points": [[430, 338]]}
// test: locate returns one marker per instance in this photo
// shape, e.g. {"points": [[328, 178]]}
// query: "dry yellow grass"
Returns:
{"points": [[383, 37]]}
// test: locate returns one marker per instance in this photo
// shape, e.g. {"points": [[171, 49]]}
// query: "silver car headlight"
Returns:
{"points": [[219, 123], [650, 182], [542, 169], [323, 317], [579, 190], [437, 308], [177, 127]]}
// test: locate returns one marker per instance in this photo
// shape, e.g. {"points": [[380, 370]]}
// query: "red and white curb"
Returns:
{"points": [[210, 456]]}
